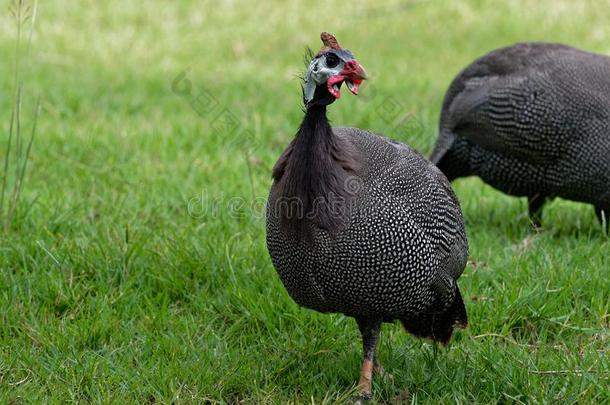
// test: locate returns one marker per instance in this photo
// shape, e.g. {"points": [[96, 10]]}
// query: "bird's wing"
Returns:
{"points": [[454, 245], [501, 102], [421, 189], [512, 115], [435, 208]]}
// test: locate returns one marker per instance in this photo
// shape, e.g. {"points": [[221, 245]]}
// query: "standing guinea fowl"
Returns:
{"points": [[361, 225], [531, 120]]}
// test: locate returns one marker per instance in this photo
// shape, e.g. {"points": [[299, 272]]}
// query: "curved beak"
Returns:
{"points": [[354, 70]]}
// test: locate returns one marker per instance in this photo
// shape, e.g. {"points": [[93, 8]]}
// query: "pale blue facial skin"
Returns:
{"points": [[318, 72]]}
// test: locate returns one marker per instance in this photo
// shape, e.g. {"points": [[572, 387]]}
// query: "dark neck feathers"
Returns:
{"points": [[315, 175]]}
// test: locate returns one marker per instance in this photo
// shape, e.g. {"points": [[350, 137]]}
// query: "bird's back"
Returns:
{"points": [[543, 109]]}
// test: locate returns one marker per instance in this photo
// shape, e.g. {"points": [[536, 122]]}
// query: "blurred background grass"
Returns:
{"points": [[136, 269]]}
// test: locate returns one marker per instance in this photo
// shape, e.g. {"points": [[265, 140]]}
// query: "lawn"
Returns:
{"points": [[136, 269]]}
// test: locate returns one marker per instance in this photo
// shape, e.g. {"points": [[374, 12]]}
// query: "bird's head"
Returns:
{"points": [[329, 69]]}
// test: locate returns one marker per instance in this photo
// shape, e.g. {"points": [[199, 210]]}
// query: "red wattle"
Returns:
{"points": [[332, 81]]}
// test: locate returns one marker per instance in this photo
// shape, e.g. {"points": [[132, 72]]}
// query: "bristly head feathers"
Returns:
{"points": [[328, 70]]}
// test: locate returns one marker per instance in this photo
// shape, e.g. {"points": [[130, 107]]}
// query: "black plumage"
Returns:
{"points": [[361, 225], [531, 120]]}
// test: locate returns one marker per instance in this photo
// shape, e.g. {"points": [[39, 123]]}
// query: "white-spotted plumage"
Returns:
{"points": [[363, 225], [531, 120], [403, 242]]}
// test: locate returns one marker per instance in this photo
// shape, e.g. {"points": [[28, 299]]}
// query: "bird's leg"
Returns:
{"points": [[369, 329], [603, 214], [377, 367], [535, 204]]}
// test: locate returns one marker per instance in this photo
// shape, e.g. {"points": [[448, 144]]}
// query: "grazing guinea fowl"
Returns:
{"points": [[532, 120], [361, 225]]}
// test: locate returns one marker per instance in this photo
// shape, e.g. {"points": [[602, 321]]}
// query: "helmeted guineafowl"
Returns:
{"points": [[531, 120], [361, 225]]}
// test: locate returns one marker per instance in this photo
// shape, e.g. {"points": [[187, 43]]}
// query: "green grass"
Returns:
{"points": [[136, 269]]}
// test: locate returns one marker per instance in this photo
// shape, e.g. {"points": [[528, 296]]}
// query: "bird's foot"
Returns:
{"points": [[365, 385], [361, 400], [402, 398], [536, 225]]}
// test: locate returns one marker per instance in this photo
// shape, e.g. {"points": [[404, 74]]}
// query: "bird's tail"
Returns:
{"points": [[451, 155], [436, 325]]}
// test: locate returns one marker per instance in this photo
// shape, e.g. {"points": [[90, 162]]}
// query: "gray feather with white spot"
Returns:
{"points": [[531, 120]]}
